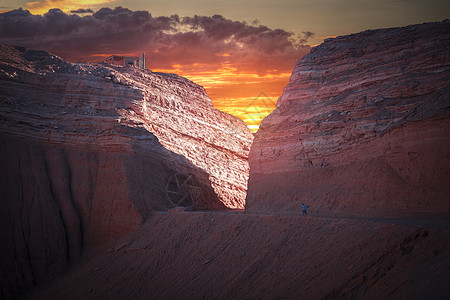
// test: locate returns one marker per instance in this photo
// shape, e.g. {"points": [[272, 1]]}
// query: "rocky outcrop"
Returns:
{"points": [[88, 151], [363, 128]]}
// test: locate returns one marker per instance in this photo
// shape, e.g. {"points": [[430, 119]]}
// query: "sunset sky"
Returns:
{"points": [[242, 52]]}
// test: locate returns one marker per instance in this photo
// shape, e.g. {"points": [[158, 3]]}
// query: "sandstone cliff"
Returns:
{"points": [[363, 128], [88, 151]]}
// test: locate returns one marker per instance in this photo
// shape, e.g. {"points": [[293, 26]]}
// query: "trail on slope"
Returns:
{"points": [[419, 221]]}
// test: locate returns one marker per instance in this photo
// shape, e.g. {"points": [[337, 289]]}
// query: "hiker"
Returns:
{"points": [[304, 209]]}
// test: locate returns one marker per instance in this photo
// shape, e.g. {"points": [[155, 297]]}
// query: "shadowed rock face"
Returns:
{"points": [[88, 151], [362, 128]]}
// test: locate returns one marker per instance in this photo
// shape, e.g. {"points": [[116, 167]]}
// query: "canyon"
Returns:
{"points": [[122, 183]]}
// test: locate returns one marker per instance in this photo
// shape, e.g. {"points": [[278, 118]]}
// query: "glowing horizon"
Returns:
{"points": [[41, 7], [252, 106]]}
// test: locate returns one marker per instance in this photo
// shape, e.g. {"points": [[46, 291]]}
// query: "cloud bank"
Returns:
{"points": [[169, 40]]}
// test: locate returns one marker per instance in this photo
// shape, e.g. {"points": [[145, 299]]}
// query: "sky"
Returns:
{"points": [[242, 52]]}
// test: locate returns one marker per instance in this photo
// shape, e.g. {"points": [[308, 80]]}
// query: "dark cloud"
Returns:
{"points": [[82, 11], [166, 40]]}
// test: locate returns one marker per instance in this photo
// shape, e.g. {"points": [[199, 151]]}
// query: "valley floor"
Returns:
{"points": [[235, 255]]}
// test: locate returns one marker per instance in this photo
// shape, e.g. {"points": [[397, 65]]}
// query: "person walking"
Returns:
{"points": [[304, 210]]}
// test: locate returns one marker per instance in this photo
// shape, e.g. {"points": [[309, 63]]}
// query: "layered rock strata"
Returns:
{"points": [[88, 151], [363, 128]]}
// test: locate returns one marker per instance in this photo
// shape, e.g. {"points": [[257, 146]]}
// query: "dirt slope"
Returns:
{"points": [[206, 255]]}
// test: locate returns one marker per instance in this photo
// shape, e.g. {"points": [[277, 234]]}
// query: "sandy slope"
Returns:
{"points": [[217, 255]]}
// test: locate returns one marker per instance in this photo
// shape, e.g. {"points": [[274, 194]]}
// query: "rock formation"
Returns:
{"points": [[363, 128], [88, 151]]}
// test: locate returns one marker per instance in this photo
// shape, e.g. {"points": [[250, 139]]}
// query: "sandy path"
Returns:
{"points": [[426, 221]]}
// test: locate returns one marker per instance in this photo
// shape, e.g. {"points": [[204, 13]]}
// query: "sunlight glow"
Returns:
{"points": [[41, 7], [248, 96]]}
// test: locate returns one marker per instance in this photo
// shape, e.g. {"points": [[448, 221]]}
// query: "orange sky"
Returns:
{"points": [[247, 96]]}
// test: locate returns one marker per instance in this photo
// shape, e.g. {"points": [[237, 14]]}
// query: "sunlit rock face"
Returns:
{"points": [[88, 151], [362, 128]]}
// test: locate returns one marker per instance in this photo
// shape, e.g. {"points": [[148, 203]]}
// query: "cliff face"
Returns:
{"points": [[362, 128], [88, 151]]}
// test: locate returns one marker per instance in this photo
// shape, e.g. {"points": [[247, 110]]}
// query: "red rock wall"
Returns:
{"points": [[88, 151], [363, 128]]}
